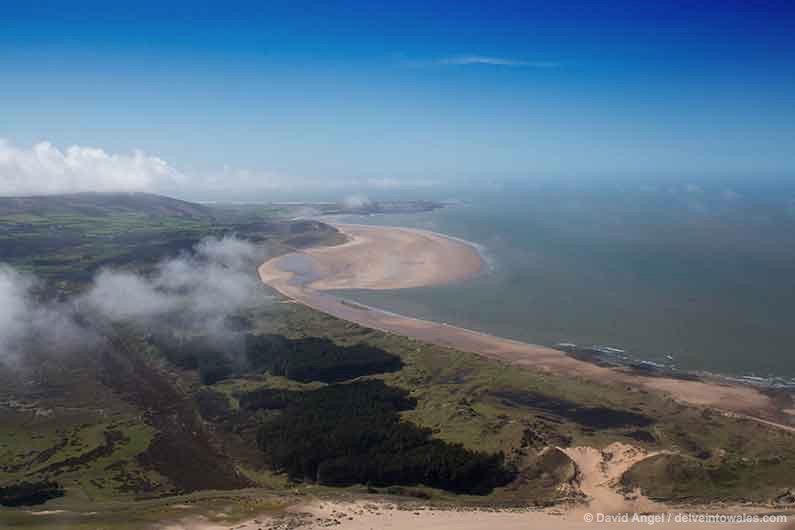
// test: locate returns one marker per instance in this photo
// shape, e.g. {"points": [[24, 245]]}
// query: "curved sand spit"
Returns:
{"points": [[392, 258]]}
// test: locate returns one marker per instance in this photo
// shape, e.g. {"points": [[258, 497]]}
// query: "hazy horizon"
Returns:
{"points": [[701, 274]]}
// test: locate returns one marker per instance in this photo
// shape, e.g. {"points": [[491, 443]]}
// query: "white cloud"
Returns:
{"points": [[44, 168], [23, 318], [356, 201], [205, 287], [211, 284], [14, 307]]}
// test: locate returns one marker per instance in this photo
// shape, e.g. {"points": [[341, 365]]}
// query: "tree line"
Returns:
{"points": [[352, 433]]}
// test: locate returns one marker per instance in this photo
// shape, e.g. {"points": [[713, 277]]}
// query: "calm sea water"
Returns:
{"points": [[704, 275]]}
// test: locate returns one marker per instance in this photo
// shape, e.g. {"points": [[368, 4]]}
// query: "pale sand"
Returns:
{"points": [[599, 473], [597, 478], [390, 258], [374, 258], [368, 515]]}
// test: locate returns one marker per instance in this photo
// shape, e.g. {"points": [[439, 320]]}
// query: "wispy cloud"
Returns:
{"points": [[466, 60]]}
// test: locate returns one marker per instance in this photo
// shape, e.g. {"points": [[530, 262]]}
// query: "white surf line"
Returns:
{"points": [[353, 304]]}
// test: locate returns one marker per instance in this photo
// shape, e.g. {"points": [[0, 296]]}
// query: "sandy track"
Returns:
{"points": [[599, 473], [368, 515], [390, 258]]}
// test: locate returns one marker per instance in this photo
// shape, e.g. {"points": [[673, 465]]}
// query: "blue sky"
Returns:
{"points": [[397, 95]]}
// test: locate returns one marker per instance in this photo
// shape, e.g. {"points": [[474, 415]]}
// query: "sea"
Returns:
{"points": [[696, 277]]}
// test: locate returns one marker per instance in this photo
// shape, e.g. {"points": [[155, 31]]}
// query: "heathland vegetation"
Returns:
{"points": [[283, 397], [352, 433]]}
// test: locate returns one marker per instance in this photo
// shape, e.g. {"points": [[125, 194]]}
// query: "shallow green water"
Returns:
{"points": [[708, 276]]}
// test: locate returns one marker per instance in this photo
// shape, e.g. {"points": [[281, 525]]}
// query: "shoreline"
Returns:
{"points": [[383, 258], [396, 258]]}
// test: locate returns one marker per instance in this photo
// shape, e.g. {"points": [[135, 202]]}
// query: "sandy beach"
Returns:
{"points": [[393, 258], [374, 258]]}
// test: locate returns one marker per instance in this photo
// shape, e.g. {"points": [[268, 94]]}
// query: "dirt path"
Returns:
{"points": [[370, 515], [600, 472]]}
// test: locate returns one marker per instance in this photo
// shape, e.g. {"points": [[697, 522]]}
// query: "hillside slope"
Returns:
{"points": [[103, 204]]}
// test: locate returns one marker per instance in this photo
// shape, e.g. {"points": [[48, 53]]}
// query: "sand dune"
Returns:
{"points": [[393, 258]]}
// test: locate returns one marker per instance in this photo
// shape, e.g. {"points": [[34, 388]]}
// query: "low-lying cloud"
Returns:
{"points": [[356, 202], [216, 281], [14, 306], [24, 321]]}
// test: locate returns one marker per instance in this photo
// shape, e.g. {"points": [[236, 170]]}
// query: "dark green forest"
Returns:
{"points": [[317, 359], [352, 433], [306, 359], [29, 493], [340, 434]]}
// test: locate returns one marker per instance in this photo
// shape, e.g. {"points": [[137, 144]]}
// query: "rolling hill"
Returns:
{"points": [[103, 204]]}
